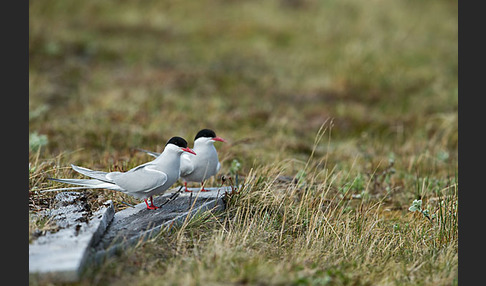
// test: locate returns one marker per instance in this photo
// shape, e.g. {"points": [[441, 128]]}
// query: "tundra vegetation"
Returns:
{"points": [[340, 116]]}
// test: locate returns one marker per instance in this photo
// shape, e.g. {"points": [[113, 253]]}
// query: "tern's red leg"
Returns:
{"points": [[151, 207], [202, 188], [186, 190], [146, 203]]}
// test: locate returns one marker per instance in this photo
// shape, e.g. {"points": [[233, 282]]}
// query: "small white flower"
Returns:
{"points": [[416, 206]]}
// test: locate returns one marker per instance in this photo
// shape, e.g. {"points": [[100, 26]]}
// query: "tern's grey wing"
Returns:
{"points": [[141, 179], [153, 154], [187, 167]]}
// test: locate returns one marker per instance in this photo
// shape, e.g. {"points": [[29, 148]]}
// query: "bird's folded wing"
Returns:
{"points": [[186, 165], [141, 179]]}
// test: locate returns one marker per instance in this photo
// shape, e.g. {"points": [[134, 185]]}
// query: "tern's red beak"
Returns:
{"points": [[219, 139], [189, 150]]}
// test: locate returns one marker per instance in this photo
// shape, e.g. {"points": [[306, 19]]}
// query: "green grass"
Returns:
{"points": [[357, 98]]}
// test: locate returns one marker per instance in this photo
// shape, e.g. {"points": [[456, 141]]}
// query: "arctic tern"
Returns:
{"points": [[143, 181]]}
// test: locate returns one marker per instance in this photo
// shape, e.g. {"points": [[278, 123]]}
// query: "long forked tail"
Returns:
{"points": [[99, 175], [84, 183], [153, 154]]}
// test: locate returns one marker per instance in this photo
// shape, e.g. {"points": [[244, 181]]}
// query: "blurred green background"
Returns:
{"points": [[105, 76]]}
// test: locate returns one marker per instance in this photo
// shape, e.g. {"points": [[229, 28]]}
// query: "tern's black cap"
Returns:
{"points": [[178, 141], [205, 133]]}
